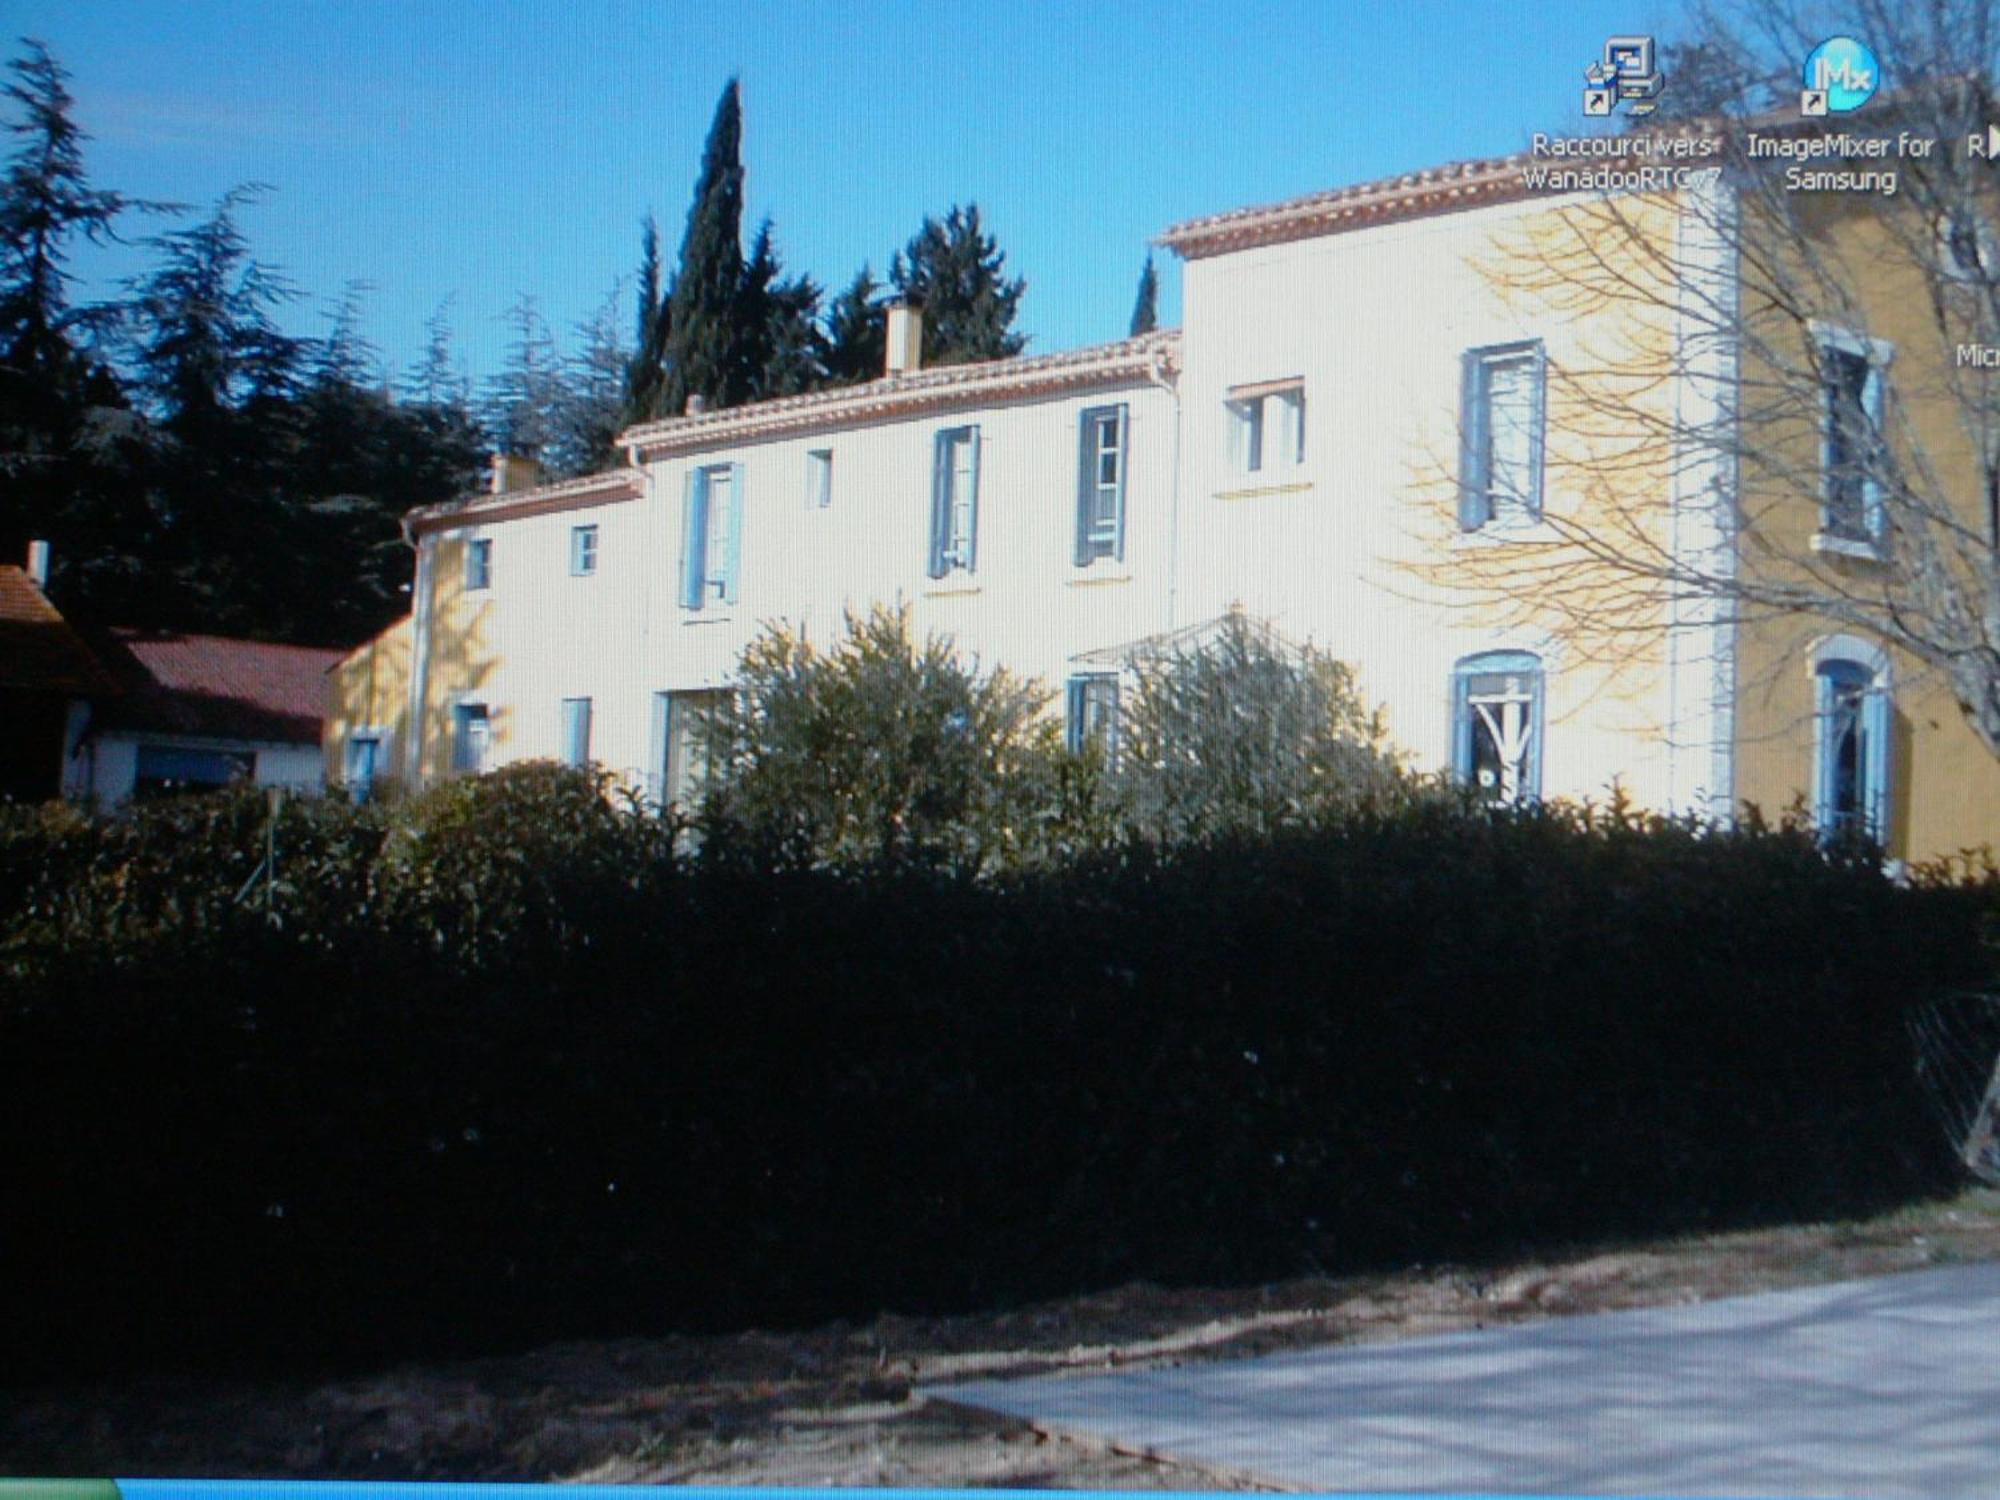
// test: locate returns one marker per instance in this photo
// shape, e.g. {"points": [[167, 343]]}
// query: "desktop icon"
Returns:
{"points": [[1627, 75], [1841, 75]]}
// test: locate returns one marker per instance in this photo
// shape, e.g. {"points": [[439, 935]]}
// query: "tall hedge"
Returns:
{"points": [[499, 1065]]}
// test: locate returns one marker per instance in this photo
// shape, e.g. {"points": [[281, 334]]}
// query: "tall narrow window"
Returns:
{"points": [[1497, 725], [955, 502], [1093, 713], [576, 731], [1851, 777], [1852, 398], [582, 551], [479, 563], [712, 536], [364, 762], [1100, 486], [683, 731], [1503, 393], [819, 479], [471, 737]]}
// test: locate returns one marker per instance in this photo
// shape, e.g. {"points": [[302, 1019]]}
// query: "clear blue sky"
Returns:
{"points": [[475, 149]]}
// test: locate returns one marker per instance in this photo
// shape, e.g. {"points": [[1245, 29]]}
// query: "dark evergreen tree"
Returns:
{"points": [[66, 429], [702, 339], [855, 332], [959, 273], [780, 351], [221, 382], [1146, 306], [645, 376]]}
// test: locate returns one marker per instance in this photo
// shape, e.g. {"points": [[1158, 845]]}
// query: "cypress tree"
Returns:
{"points": [[702, 340], [645, 376], [1146, 307]]}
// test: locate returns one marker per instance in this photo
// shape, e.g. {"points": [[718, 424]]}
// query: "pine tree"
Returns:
{"points": [[209, 342], [1146, 307], [223, 384], [436, 379], [590, 405], [855, 332], [519, 405], [959, 274], [645, 376], [702, 343], [67, 433], [46, 203]]}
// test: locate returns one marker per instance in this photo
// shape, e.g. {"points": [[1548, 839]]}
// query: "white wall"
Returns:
{"points": [[108, 764], [621, 635], [1375, 320]]}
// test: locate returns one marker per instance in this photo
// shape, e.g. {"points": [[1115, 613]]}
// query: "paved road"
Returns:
{"points": [[1876, 1389]]}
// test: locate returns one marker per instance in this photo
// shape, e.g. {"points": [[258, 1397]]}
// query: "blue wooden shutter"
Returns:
{"points": [[972, 511], [1461, 725], [1475, 506], [1086, 482], [1122, 435], [1877, 720], [1874, 404], [940, 502], [735, 558], [1538, 429], [1823, 778], [694, 527]]}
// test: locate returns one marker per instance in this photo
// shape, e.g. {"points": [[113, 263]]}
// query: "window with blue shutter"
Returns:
{"points": [[1266, 425], [1100, 485], [364, 763], [1851, 752], [471, 737], [712, 536], [479, 563], [1496, 725], [582, 551], [954, 501], [1093, 713], [1502, 418], [1853, 400], [576, 731]]}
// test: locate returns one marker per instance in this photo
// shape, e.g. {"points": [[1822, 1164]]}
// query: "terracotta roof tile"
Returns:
{"points": [[213, 686], [39, 650]]}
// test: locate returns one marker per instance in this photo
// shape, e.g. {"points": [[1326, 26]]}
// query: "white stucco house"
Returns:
{"points": [[1050, 512]]}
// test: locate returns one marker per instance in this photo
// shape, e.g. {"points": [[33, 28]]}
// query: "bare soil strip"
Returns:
{"points": [[844, 1404]]}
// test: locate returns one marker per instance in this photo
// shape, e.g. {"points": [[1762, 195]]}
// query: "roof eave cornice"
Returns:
{"points": [[544, 499], [1150, 356]]}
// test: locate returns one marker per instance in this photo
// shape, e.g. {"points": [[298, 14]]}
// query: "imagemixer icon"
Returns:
{"points": [[1841, 75], [1626, 75]]}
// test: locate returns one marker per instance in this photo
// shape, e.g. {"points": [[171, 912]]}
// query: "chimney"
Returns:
{"points": [[513, 471], [696, 405], [38, 564], [906, 337]]}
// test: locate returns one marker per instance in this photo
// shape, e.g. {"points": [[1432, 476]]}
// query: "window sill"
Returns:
{"points": [[1257, 491], [1508, 534], [1858, 548], [1098, 572], [703, 617], [950, 588]]}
